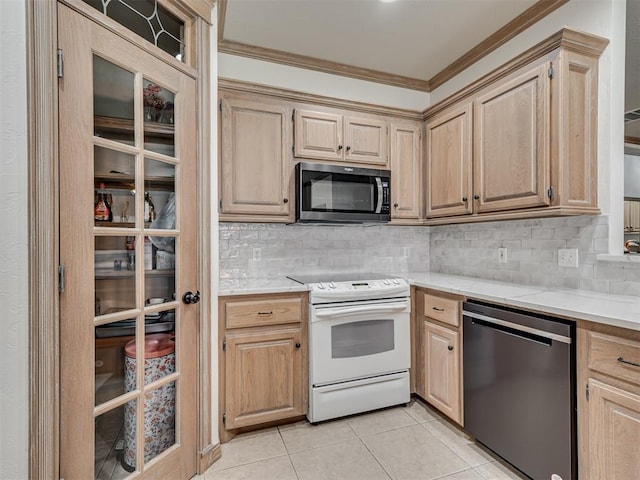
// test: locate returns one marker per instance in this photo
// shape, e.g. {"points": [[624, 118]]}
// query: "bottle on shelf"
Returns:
{"points": [[102, 211], [149, 209]]}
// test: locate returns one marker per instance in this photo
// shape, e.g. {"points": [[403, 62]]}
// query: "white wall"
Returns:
{"points": [[14, 423], [607, 19], [319, 83]]}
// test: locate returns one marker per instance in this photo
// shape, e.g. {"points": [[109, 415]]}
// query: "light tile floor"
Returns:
{"points": [[401, 443]]}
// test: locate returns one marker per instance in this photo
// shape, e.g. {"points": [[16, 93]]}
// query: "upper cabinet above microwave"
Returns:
{"points": [[332, 136]]}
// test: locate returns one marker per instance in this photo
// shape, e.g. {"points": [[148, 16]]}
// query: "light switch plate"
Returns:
{"points": [[502, 255], [257, 254]]}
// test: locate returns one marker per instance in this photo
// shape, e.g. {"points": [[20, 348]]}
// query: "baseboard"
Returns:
{"points": [[208, 457]]}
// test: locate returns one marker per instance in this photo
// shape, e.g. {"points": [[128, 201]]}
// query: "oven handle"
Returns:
{"points": [[345, 312]]}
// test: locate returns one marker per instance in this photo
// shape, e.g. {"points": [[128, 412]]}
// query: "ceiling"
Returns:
{"points": [[416, 44]]}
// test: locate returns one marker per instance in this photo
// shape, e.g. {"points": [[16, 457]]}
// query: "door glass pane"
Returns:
{"points": [[114, 182], [160, 348], [358, 339], [159, 108], [159, 420], [160, 276], [115, 283], [160, 202], [110, 444], [111, 378], [148, 19], [113, 101]]}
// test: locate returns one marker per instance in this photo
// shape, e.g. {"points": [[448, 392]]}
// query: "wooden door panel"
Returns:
{"points": [[614, 432], [263, 377], [406, 166], [449, 161], [512, 143], [318, 135], [255, 163], [365, 140], [83, 411], [442, 369]]}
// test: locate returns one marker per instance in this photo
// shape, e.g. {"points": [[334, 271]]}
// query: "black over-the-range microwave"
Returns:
{"points": [[342, 194]]}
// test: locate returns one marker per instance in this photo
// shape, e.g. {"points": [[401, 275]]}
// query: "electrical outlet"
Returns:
{"points": [[502, 255], [568, 257], [405, 251], [257, 254]]}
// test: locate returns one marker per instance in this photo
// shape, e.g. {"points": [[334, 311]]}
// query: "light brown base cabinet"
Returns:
{"points": [[438, 353], [608, 403], [263, 361]]}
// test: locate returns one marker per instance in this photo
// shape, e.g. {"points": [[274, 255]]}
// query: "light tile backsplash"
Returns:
{"points": [[532, 253], [291, 249], [466, 249]]}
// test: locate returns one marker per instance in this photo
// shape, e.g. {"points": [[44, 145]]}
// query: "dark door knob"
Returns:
{"points": [[450, 347], [298, 345], [476, 197], [464, 199], [339, 147], [191, 297], [348, 148], [395, 205], [285, 200]]}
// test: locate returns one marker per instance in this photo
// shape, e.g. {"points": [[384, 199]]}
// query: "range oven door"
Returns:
{"points": [[352, 341]]}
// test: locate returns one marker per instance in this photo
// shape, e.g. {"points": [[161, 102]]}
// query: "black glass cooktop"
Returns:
{"points": [[339, 277]]}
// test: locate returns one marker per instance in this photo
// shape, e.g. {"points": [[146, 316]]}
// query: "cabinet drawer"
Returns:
{"points": [[255, 313], [608, 354], [442, 309]]}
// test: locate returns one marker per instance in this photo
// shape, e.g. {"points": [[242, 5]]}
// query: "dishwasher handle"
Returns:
{"points": [[515, 329]]}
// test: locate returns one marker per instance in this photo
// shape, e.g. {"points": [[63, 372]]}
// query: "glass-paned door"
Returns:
{"points": [[127, 241]]}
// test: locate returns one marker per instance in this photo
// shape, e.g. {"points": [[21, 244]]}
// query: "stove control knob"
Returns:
{"points": [[396, 281], [387, 282], [332, 285], [321, 286]]}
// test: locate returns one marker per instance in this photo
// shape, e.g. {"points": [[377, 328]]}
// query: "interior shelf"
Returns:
{"points": [[117, 125]]}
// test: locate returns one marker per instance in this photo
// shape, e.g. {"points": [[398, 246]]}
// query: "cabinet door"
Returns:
{"points": [[263, 377], [449, 147], [365, 140], [318, 135], [512, 143], [405, 168], [627, 215], [442, 369], [634, 216], [255, 161], [614, 432]]}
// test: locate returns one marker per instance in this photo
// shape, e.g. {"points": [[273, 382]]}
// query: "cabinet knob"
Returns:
{"points": [[464, 199], [450, 347], [285, 200], [339, 147], [395, 205], [348, 148], [476, 197], [191, 298], [298, 345]]}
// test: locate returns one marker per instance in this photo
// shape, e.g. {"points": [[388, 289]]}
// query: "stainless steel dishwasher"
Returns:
{"points": [[519, 388]]}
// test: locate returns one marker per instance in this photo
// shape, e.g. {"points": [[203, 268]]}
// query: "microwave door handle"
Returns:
{"points": [[345, 312], [380, 195]]}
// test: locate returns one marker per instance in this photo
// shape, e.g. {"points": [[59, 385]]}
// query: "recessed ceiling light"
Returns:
{"points": [[386, 1]]}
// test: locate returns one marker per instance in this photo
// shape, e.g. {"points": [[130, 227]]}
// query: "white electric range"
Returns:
{"points": [[359, 343]]}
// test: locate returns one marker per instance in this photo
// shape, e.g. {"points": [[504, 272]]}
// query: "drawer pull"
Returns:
{"points": [[438, 309], [265, 313], [622, 360]]}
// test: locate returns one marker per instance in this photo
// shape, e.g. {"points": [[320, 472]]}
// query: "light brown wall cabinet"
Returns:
{"points": [[406, 168], [608, 403], [338, 137], [438, 362], [263, 360], [256, 176], [632, 216], [532, 149]]}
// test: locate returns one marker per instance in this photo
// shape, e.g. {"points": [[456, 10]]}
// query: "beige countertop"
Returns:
{"points": [[617, 310]]}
